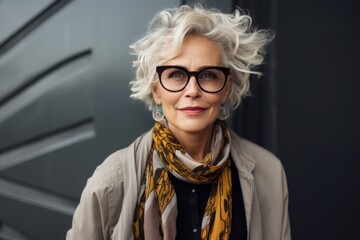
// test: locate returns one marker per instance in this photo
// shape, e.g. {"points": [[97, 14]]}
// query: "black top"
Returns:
{"points": [[192, 200]]}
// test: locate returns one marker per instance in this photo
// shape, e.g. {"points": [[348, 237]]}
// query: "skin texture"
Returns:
{"points": [[191, 113]]}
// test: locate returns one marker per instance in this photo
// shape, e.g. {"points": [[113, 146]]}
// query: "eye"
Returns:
{"points": [[207, 75], [177, 74], [210, 74], [174, 74]]}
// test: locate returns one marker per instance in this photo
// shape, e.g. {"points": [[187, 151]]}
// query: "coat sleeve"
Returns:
{"points": [[90, 217], [100, 204], [286, 233]]}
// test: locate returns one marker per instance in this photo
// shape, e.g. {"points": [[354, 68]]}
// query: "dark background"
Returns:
{"points": [[308, 111], [64, 106]]}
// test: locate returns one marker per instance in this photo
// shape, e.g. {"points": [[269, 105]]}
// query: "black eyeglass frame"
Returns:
{"points": [[161, 69]]}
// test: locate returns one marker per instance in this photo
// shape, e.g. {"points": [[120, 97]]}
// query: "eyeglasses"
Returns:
{"points": [[210, 79]]}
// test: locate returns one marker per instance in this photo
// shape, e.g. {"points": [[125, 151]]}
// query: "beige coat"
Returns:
{"points": [[108, 202]]}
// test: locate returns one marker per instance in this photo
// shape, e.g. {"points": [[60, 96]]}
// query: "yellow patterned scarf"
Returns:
{"points": [[155, 217]]}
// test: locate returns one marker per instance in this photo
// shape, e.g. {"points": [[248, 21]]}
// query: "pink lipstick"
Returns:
{"points": [[193, 111]]}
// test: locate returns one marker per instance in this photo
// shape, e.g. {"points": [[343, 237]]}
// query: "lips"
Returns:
{"points": [[193, 111]]}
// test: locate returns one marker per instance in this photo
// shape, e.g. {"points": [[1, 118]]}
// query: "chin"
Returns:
{"points": [[197, 125]]}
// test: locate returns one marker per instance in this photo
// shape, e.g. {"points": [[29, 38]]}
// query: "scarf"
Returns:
{"points": [[155, 216]]}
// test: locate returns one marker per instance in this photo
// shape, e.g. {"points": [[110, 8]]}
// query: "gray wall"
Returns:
{"points": [[64, 103]]}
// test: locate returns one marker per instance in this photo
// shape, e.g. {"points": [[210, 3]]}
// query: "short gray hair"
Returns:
{"points": [[243, 46]]}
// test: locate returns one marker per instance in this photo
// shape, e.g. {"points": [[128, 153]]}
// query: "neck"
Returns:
{"points": [[196, 144]]}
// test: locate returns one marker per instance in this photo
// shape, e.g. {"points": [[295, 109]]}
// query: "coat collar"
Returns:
{"points": [[244, 163]]}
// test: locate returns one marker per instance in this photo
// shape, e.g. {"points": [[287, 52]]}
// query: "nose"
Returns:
{"points": [[192, 89]]}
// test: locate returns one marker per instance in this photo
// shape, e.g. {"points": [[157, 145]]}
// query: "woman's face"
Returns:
{"points": [[192, 110]]}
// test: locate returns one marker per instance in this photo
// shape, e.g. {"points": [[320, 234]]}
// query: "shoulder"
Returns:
{"points": [[265, 173], [111, 170], [263, 166], [252, 151], [102, 198], [255, 159]]}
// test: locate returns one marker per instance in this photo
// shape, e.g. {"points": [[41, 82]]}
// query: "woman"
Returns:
{"points": [[189, 177]]}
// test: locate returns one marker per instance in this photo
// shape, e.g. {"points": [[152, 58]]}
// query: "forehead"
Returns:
{"points": [[196, 52]]}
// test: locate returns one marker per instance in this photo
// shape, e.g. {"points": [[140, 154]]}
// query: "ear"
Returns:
{"points": [[156, 93]]}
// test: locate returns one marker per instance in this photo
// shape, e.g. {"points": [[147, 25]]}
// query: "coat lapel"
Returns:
{"points": [[245, 166]]}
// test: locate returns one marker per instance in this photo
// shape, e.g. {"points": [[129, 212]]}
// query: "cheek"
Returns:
{"points": [[217, 101], [169, 99]]}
